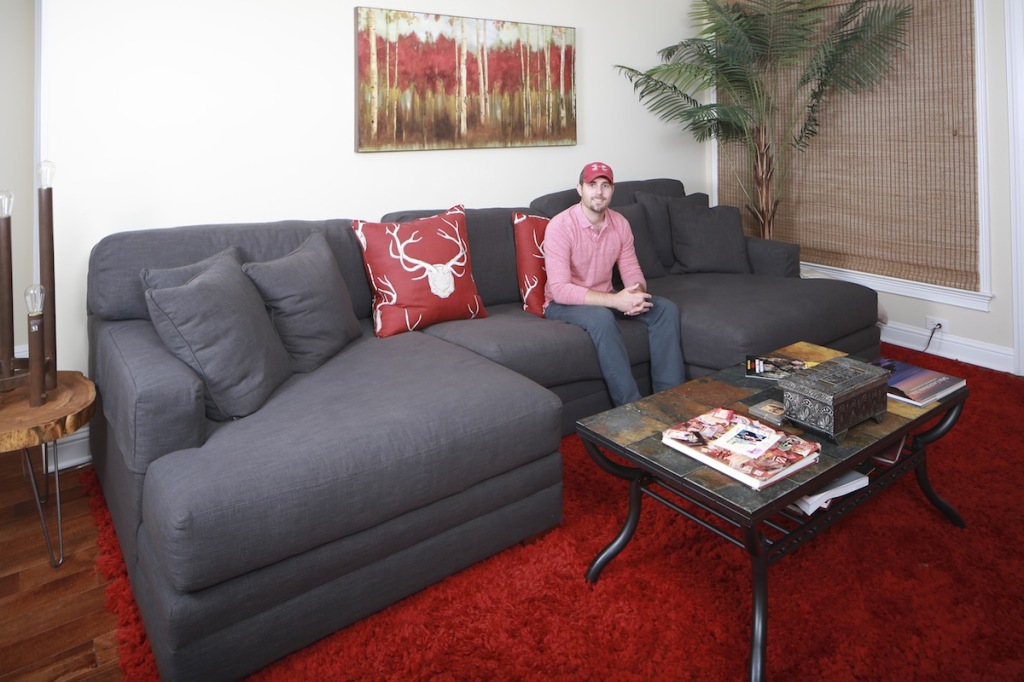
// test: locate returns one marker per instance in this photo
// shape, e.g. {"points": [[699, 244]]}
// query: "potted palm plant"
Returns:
{"points": [[770, 66]]}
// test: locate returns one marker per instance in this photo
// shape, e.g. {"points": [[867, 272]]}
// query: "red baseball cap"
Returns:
{"points": [[596, 170]]}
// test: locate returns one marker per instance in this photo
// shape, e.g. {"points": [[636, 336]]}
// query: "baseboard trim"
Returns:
{"points": [[73, 451], [974, 352]]}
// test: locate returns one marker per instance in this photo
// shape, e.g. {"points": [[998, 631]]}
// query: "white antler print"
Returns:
{"points": [[412, 325], [388, 296], [528, 287], [539, 245], [440, 276], [358, 226]]}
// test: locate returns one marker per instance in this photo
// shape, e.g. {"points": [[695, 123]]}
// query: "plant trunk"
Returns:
{"points": [[764, 180]]}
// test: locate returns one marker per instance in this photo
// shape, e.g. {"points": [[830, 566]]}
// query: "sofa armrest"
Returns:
{"points": [[774, 258], [152, 402]]}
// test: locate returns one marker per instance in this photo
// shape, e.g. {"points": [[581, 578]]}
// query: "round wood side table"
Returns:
{"points": [[68, 408]]}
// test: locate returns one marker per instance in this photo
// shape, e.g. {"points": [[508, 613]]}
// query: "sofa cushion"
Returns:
{"points": [[659, 223], [308, 301], [550, 352], [626, 192], [725, 317], [529, 233], [420, 272], [642, 243], [116, 292], [162, 278], [216, 323], [773, 257], [385, 427], [707, 239]]}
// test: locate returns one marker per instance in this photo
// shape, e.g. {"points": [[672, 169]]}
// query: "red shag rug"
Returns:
{"points": [[893, 592]]}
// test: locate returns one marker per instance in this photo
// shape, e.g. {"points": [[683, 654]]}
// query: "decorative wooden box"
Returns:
{"points": [[834, 395]]}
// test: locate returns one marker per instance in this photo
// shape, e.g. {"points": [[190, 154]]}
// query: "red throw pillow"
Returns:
{"points": [[420, 272], [529, 234]]}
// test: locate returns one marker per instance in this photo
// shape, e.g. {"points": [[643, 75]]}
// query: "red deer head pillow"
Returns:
{"points": [[420, 272]]}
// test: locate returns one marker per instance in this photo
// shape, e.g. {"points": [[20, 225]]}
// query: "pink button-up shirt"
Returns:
{"points": [[578, 258]]}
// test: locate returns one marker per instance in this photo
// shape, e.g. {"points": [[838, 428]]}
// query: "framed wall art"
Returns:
{"points": [[431, 81]]}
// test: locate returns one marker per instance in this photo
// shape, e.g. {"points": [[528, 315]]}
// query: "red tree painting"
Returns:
{"points": [[430, 81]]}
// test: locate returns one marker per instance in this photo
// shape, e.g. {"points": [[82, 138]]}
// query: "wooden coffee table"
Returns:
{"points": [[757, 521]]}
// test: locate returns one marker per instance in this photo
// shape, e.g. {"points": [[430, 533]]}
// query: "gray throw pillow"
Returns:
{"points": [[174, 277], [645, 253], [708, 239], [659, 223], [308, 301], [216, 323]]}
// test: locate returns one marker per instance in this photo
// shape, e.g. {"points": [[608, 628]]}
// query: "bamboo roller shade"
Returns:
{"points": [[889, 186]]}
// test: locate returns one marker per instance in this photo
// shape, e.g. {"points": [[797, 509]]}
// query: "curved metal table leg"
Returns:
{"points": [[57, 560], [624, 536], [920, 444], [759, 618], [636, 479], [619, 470], [945, 507]]}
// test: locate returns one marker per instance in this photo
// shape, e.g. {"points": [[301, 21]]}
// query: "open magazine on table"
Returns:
{"points": [[745, 449]]}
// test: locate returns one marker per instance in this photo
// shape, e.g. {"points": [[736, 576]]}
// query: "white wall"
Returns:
{"points": [[17, 170], [169, 112], [175, 112]]}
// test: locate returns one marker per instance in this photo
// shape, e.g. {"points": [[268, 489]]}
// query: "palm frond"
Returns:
{"points": [[781, 30], [724, 25], [853, 56], [658, 91], [866, 49], [746, 53]]}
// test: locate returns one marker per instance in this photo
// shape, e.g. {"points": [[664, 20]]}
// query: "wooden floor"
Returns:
{"points": [[53, 625]]}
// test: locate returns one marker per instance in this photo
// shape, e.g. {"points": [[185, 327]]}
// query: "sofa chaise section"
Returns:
{"points": [[394, 464], [325, 484]]}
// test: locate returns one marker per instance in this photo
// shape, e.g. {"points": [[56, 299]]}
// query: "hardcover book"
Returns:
{"points": [[917, 385], [740, 447]]}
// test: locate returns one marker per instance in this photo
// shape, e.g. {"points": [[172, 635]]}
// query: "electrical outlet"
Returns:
{"points": [[931, 322]]}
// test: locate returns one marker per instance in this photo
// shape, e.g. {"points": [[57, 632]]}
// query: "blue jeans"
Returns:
{"points": [[663, 333]]}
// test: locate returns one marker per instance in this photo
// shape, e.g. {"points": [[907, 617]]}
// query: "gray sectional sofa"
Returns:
{"points": [[371, 467]]}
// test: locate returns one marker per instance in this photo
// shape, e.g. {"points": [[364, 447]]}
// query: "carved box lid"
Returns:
{"points": [[836, 380]]}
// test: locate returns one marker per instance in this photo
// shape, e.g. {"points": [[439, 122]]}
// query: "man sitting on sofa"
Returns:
{"points": [[581, 246]]}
